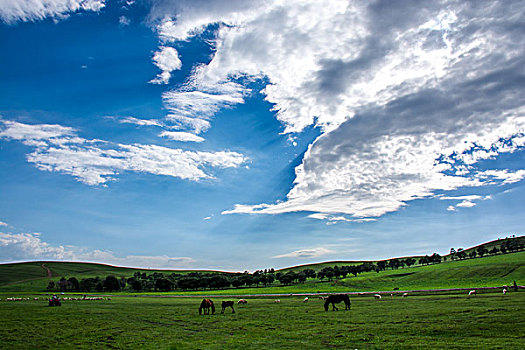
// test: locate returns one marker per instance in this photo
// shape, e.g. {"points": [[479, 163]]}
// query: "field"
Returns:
{"points": [[489, 320], [490, 271]]}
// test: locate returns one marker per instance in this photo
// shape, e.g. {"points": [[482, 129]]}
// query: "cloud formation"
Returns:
{"points": [[95, 162], [167, 59], [29, 246], [33, 10], [409, 98], [306, 253]]}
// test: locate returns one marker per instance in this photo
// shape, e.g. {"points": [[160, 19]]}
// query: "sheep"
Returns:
{"points": [[242, 301], [472, 292], [377, 296], [305, 300], [405, 295], [504, 291], [277, 301]]}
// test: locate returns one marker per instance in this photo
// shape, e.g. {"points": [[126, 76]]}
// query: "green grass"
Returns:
{"points": [[487, 321], [488, 271], [32, 276]]}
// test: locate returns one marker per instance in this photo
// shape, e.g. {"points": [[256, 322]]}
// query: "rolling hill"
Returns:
{"points": [[488, 271]]}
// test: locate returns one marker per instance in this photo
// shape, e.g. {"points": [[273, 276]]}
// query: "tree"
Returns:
{"points": [[452, 253], [73, 284], [481, 250], [163, 284], [460, 253], [435, 258], [51, 286], [111, 284], [410, 261], [136, 285], [301, 277], [310, 273]]}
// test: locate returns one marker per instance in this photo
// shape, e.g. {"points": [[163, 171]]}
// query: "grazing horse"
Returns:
{"points": [[206, 304], [337, 298], [226, 304]]}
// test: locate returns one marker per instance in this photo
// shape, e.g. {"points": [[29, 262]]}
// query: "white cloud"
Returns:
{"points": [[197, 125], [141, 122], [33, 10], [410, 99], [3, 223], [167, 59], [331, 219], [466, 204], [451, 208], [124, 21], [181, 136], [306, 253], [27, 246], [96, 162], [467, 198]]}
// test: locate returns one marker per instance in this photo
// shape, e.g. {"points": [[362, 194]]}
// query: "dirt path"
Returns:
{"points": [[49, 273]]}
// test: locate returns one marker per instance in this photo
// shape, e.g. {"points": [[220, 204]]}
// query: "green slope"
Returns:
{"points": [[488, 271], [33, 276]]}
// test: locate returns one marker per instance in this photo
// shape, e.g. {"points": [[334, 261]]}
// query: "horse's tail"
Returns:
{"points": [[326, 303], [212, 307]]}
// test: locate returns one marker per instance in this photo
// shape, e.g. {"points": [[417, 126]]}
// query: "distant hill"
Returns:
{"points": [[491, 270]]}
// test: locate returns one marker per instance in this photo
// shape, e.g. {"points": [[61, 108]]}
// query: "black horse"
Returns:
{"points": [[226, 304], [206, 305], [337, 298], [54, 301]]}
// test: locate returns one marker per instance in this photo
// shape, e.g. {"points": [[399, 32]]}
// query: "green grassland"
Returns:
{"points": [[33, 276], [490, 320], [489, 271]]}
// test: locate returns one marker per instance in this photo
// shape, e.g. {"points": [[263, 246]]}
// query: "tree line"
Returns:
{"points": [[160, 282], [508, 245]]}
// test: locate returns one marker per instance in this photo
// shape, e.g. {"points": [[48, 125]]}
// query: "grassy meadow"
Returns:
{"points": [[489, 320], [490, 271], [425, 319]]}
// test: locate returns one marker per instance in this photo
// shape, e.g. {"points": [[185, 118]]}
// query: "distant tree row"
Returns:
{"points": [[160, 282], [142, 282], [508, 245]]}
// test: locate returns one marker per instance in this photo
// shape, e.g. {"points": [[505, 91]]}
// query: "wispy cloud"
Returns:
{"points": [[95, 162], [181, 136], [28, 246], [306, 253], [32, 10], [124, 21], [467, 201]]}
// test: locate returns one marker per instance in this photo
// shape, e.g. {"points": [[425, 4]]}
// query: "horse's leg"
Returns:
{"points": [[233, 310], [222, 311]]}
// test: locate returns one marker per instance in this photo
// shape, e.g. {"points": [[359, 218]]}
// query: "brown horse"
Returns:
{"points": [[206, 304], [337, 298], [226, 304]]}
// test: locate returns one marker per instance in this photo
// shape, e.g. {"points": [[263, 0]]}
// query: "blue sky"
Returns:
{"points": [[239, 135]]}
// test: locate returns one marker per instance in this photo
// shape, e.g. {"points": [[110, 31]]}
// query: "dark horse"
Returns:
{"points": [[337, 298], [206, 304], [226, 304]]}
